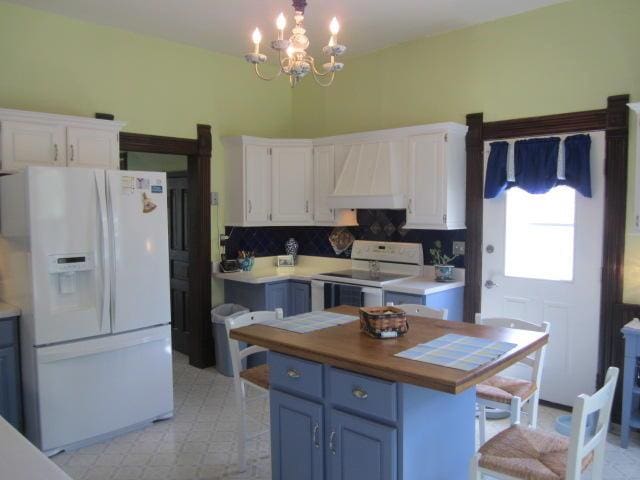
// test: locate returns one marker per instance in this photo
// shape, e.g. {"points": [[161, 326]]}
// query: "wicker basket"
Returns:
{"points": [[383, 322]]}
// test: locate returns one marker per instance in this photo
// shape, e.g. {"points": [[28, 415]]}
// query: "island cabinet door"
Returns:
{"points": [[277, 296], [300, 298], [360, 449], [297, 450]]}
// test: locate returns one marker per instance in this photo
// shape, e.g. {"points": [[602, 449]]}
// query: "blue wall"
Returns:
{"points": [[383, 225]]}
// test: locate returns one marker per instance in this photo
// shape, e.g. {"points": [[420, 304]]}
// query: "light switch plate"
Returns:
{"points": [[214, 198], [458, 248]]}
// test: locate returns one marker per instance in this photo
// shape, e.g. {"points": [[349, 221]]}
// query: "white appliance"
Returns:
{"points": [[84, 254], [373, 265]]}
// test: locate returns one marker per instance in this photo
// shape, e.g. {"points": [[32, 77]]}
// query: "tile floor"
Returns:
{"points": [[199, 442]]}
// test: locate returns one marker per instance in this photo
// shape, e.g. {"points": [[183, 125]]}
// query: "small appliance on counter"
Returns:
{"points": [[229, 266]]}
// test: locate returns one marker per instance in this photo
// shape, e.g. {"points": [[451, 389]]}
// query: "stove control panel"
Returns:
{"points": [[395, 252]]}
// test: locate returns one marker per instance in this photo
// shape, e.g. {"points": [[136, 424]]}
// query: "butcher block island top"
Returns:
{"points": [[346, 347]]}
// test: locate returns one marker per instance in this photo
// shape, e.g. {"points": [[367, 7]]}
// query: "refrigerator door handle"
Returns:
{"points": [[104, 230]]}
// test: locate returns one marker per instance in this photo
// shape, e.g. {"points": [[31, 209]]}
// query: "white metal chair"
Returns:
{"points": [[531, 454], [422, 311], [501, 392], [257, 377]]}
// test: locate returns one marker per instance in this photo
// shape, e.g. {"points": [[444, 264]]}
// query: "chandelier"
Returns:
{"points": [[293, 58]]}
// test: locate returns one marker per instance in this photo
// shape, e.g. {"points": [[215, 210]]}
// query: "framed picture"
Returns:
{"points": [[285, 261]]}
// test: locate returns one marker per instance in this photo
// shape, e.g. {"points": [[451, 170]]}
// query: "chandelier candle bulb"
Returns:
{"points": [[257, 38], [281, 23]]}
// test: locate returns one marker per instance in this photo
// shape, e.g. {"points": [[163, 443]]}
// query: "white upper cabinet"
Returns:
{"points": [[268, 182], [258, 189], [91, 147], [32, 138], [32, 144], [436, 181], [292, 184], [324, 181]]}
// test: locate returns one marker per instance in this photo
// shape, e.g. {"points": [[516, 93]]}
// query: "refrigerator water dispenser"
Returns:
{"points": [[68, 267]]}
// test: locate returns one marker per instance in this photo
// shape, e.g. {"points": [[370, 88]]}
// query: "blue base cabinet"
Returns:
{"points": [[297, 427], [630, 386], [10, 388], [333, 424], [293, 296], [452, 300], [360, 448]]}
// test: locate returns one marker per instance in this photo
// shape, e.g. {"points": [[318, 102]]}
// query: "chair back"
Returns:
{"points": [[422, 311], [585, 406], [535, 361], [236, 352]]}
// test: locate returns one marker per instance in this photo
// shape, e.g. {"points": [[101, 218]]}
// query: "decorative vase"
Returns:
{"points": [[444, 273], [291, 248]]}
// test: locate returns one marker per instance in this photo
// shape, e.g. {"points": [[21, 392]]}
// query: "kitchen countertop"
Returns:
{"points": [[20, 460], [344, 346], [7, 310], [264, 271]]}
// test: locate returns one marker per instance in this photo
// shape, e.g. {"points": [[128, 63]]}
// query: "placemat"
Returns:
{"points": [[458, 351], [310, 322]]}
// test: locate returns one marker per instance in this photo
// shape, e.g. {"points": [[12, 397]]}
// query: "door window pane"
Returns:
{"points": [[539, 234]]}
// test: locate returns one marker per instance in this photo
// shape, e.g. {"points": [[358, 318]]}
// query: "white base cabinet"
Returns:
{"points": [[42, 139]]}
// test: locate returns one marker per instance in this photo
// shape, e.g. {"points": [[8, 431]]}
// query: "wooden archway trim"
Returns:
{"points": [[614, 121], [198, 152]]}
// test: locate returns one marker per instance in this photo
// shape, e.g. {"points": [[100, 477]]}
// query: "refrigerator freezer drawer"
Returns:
{"points": [[95, 387]]}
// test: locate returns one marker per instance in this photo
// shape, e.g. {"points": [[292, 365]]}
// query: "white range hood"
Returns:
{"points": [[373, 176]]}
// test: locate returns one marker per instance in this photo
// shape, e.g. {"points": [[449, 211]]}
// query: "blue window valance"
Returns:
{"points": [[539, 164]]}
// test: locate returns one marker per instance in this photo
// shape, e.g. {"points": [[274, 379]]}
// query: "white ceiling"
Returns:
{"points": [[226, 25]]}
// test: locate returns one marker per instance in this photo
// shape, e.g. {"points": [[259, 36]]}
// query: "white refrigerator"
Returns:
{"points": [[84, 254]]}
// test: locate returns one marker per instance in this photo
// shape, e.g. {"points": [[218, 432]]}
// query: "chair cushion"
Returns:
{"points": [[528, 453], [257, 375], [503, 389]]}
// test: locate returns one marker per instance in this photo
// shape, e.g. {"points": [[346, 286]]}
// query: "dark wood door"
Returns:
{"points": [[177, 198]]}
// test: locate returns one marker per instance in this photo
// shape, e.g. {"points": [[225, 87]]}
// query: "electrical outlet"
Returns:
{"points": [[458, 248], [214, 198], [223, 239]]}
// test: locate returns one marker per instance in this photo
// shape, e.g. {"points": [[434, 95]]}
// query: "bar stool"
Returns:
{"points": [[532, 454], [256, 377], [422, 311], [502, 392]]}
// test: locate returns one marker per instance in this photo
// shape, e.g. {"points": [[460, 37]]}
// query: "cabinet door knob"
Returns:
{"points": [[332, 445], [293, 373], [72, 154], [316, 438], [359, 393], [55, 152]]}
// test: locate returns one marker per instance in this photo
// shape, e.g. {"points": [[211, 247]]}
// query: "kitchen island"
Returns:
{"points": [[343, 407]]}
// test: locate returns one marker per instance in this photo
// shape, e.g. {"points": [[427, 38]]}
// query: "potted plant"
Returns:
{"points": [[442, 263]]}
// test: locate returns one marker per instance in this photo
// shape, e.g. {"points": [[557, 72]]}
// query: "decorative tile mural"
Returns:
{"points": [[382, 225]]}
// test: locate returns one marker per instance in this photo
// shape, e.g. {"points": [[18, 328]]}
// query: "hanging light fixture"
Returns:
{"points": [[292, 52]]}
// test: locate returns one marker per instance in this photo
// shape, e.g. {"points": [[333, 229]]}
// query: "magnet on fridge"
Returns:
{"points": [[156, 188], [147, 204], [142, 183], [128, 184]]}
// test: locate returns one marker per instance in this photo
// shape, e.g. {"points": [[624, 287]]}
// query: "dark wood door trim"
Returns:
{"points": [[139, 142], [614, 121], [615, 214], [473, 248], [199, 177]]}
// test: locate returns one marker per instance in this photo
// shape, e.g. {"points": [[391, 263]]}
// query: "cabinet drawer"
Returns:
{"points": [[359, 393], [295, 374], [7, 332]]}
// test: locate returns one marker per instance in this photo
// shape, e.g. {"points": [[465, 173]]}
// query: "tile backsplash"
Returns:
{"points": [[384, 225]]}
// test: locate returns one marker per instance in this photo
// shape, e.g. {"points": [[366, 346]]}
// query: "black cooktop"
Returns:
{"points": [[365, 275]]}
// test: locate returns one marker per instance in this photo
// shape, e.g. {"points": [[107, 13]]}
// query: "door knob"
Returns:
{"points": [[490, 284], [490, 249]]}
